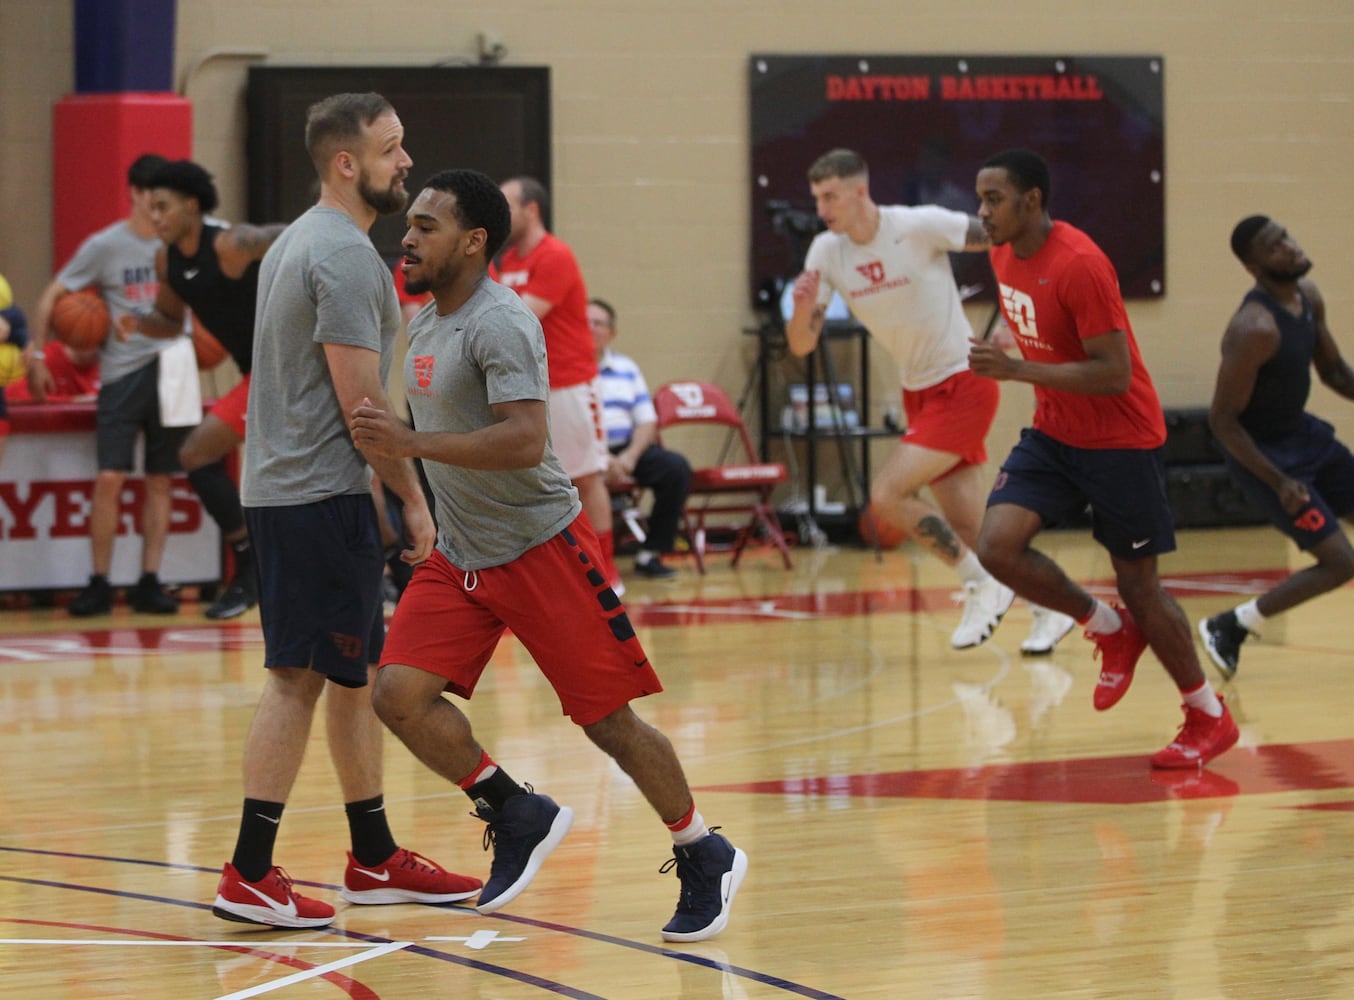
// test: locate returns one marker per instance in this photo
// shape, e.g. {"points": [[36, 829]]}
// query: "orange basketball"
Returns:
{"points": [[875, 530], [80, 320], [208, 349]]}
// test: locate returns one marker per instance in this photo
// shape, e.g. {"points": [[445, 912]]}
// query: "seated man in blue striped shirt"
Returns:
{"points": [[632, 438]]}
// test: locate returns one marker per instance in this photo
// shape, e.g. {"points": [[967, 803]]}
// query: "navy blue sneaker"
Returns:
{"points": [[1223, 635], [654, 569], [241, 595], [710, 870], [523, 833]]}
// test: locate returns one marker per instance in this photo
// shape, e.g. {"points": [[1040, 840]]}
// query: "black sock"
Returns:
{"points": [[494, 790], [244, 555], [372, 840], [258, 832]]}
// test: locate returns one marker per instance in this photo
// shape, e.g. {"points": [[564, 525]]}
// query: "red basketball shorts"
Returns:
{"points": [[231, 408], [553, 598], [953, 416]]}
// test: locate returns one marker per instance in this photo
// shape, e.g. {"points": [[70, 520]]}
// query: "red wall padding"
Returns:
{"points": [[95, 138]]}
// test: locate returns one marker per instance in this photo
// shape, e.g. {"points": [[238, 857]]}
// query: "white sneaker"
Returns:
{"points": [[984, 604], [1046, 629]]}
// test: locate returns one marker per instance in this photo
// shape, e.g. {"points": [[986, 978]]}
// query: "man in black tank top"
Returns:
{"points": [[212, 269], [1287, 461]]}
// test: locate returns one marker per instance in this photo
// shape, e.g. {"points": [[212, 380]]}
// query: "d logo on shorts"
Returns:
{"points": [[1310, 519]]}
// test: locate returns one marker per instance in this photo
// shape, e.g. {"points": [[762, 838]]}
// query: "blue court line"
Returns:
{"points": [[472, 963]]}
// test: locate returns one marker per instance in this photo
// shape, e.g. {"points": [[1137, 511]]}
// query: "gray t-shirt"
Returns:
{"points": [[322, 282], [491, 350], [121, 265]]}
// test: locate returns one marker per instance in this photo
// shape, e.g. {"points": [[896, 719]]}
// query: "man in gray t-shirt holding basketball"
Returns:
{"points": [[325, 321], [514, 552], [119, 263]]}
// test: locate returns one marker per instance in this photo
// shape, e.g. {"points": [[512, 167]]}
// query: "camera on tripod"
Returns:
{"points": [[790, 222]]}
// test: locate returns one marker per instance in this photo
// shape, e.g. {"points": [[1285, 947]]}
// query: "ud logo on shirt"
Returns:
{"points": [[872, 272], [1019, 309], [423, 372]]}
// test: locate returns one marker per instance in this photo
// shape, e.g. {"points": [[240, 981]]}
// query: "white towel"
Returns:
{"points": [[180, 391]]}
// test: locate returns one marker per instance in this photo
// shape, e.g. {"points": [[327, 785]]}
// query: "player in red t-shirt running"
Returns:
{"points": [[541, 268], [1097, 437]]}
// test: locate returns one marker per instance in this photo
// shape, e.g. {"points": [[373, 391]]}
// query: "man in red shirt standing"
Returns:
{"points": [[1097, 437], [541, 268]]}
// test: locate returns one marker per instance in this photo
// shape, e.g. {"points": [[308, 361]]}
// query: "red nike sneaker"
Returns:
{"points": [[405, 877], [271, 901], [1200, 739], [1118, 653]]}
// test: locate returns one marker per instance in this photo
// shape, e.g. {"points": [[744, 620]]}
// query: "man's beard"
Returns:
{"points": [[388, 202], [1292, 274]]}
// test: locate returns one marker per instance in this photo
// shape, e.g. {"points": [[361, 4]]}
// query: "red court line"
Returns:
{"points": [[1280, 767]]}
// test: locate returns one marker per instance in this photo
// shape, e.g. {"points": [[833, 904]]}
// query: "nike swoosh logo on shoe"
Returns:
{"points": [[379, 876], [287, 911]]}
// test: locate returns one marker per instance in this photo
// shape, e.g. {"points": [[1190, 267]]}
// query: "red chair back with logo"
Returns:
{"points": [[736, 484]]}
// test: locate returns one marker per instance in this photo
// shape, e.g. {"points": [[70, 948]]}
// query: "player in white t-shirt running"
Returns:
{"points": [[891, 265]]}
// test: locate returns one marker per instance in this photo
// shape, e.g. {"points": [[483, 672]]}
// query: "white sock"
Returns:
{"points": [[1204, 700], [1250, 617], [1104, 619], [970, 570], [693, 831]]}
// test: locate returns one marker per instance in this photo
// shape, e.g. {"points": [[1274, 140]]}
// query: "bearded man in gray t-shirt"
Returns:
{"points": [[325, 320]]}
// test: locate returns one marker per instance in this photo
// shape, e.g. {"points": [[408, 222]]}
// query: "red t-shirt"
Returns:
{"points": [[72, 381], [1066, 293], [550, 272]]}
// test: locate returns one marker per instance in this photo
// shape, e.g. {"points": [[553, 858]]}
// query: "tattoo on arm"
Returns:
{"points": [[254, 241], [816, 320], [938, 536]]}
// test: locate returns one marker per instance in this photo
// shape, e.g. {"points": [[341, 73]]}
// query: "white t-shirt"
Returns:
{"points": [[900, 287]]}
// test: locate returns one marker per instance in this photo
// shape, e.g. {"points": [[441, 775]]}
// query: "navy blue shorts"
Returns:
{"points": [[1313, 456], [1125, 488], [320, 567], [130, 405]]}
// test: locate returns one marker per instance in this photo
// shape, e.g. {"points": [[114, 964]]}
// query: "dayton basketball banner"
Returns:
{"points": [[925, 123]]}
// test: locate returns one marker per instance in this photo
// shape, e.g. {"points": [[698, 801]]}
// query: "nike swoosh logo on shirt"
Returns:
{"points": [[287, 911], [379, 876], [190, 274]]}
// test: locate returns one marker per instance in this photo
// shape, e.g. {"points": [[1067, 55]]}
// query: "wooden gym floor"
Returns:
{"points": [[920, 823]]}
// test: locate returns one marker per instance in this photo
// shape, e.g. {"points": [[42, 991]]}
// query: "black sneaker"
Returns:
{"points": [[710, 870], [653, 569], [523, 834], [95, 599], [150, 599], [235, 600], [1223, 635]]}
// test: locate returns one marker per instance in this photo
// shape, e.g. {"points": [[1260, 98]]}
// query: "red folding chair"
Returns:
{"points": [[737, 484]]}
